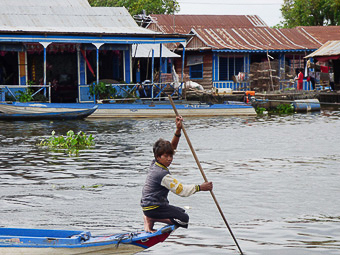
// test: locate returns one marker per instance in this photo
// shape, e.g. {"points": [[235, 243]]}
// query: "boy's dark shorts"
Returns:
{"points": [[176, 214]]}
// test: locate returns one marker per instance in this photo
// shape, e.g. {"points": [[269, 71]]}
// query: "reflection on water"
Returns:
{"points": [[276, 179]]}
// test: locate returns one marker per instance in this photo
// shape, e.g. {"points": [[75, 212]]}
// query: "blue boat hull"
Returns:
{"points": [[43, 241], [148, 109], [20, 112]]}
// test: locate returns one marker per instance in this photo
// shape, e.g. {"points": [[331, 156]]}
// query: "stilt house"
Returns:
{"points": [[60, 47], [241, 52]]}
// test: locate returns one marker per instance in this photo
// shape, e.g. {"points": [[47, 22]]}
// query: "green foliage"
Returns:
{"points": [[107, 91], [285, 109], [102, 90], [30, 82], [95, 186], [72, 143], [280, 109], [278, 26], [25, 96], [260, 110], [137, 6], [288, 89], [310, 13]]}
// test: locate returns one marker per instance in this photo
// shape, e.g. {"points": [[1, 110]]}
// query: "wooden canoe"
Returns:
{"points": [[15, 241]]}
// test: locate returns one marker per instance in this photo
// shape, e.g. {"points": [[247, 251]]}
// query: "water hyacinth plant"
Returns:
{"points": [[72, 143], [285, 109], [280, 109], [260, 110]]}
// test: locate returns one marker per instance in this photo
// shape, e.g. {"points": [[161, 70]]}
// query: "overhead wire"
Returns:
{"points": [[224, 3]]}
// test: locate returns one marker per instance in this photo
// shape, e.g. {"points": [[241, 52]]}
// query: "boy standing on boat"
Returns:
{"points": [[159, 182]]}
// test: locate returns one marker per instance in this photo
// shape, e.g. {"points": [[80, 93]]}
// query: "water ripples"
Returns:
{"points": [[276, 179]]}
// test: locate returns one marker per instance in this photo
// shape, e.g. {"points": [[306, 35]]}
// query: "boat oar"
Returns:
{"points": [[204, 177]]}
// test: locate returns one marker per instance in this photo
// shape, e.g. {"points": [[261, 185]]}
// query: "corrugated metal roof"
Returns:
{"points": [[184, 23], [145, 51], [243, 32], [65, 16], [253, 39], [75, 3], [331, 48], [322, 34]]}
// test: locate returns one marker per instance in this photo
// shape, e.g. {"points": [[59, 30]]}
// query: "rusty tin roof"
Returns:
{"points": [[184, 23], [242, 33], [330, 48], [263, 38]]}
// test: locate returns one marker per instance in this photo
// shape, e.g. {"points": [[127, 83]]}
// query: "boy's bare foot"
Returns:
{"points": [[148, 224]]}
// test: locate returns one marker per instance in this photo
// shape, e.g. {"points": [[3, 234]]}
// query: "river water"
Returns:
{"points": [[276, 178]]}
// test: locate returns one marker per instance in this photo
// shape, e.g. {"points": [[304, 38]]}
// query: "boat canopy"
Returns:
{"points": [[145, 51]]}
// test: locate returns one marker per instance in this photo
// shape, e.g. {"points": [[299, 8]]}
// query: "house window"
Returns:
{"points": [[196, 71], [195, 63], [229, 66]]}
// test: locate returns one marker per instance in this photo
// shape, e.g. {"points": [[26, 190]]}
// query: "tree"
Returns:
{"points": [[137, 6], [311, 13]]}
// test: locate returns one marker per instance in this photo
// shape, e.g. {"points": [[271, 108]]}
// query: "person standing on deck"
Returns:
{"points": [[300, 80], [159, 182]]}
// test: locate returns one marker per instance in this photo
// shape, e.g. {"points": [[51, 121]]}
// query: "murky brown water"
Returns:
{"points": [[277, 179]]}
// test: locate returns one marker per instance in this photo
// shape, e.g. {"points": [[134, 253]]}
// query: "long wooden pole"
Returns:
{"points": [[204, 176]]}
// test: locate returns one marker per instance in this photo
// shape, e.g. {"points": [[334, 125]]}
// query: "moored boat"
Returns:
{"points": [[15, 241], [18, 112], [151, 109]]}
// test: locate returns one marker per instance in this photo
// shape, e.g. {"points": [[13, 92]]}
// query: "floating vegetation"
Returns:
{"points": [[95, 186], [284, 109], [260, 110], [280, 109], [71, 143]]}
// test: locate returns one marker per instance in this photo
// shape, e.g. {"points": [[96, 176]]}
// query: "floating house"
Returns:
{"points": [[149, 59], [73, 56], [59, 48], [325, 63], [241, 52]]}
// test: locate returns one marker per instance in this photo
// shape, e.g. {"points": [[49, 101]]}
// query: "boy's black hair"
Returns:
{"points": [[162, 147]]}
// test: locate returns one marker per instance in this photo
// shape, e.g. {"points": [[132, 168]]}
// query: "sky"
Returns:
{"points": [[267, 10]]}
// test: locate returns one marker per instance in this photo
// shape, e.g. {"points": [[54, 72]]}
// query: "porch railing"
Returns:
{"points": [[240, 86], [284, 85], [307, 85], [131, 92], [14, 92]]}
